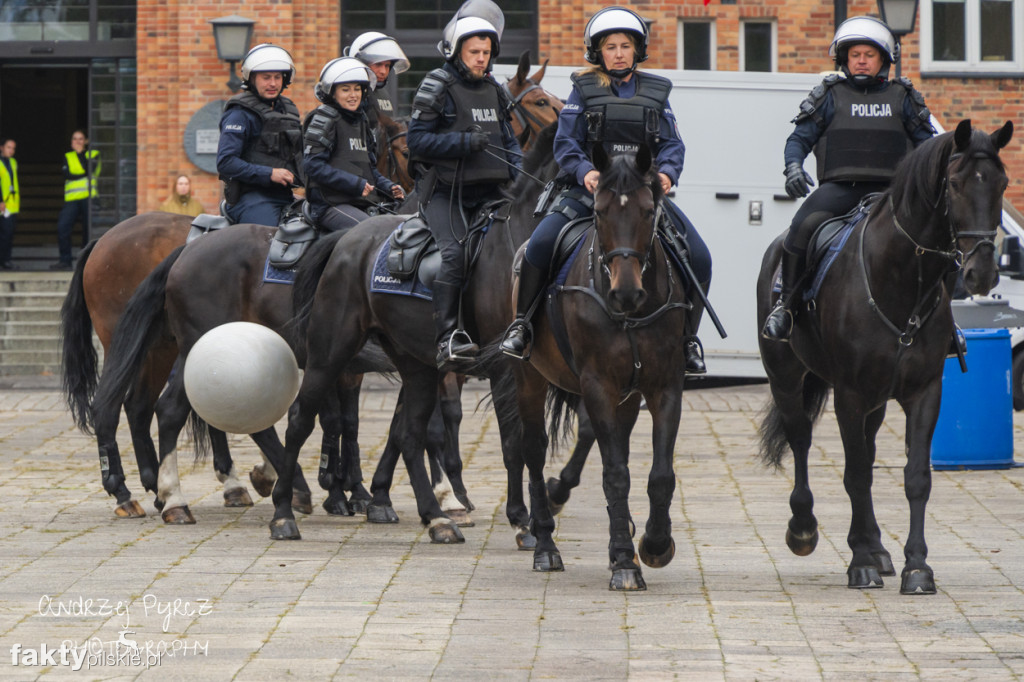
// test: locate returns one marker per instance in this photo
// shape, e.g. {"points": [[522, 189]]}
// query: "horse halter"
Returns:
{"points": [[523, 115], [644, 259]]}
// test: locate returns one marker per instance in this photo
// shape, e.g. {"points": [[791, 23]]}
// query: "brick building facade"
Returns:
{"points": [[178, 69]]}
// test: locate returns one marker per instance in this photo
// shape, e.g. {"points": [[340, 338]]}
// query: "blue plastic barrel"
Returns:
{"points": [[975, 427]]}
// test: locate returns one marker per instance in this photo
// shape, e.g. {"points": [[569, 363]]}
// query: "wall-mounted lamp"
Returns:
{"points": [[232, 35], [899, 16]]}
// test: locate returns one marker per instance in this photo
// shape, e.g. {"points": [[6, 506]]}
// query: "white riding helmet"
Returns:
{"points": [[864, 30], [343, 70], [374, 47], [474, 18], [268, 57], [614, 20]]}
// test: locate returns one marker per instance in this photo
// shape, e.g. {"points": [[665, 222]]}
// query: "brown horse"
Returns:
{"points": [[393, 152], [533, 107]]}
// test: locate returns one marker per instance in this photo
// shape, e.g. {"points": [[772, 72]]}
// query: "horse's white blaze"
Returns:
{"points": [[445, 495], [623, 199], [167, 483], [230, 479]]}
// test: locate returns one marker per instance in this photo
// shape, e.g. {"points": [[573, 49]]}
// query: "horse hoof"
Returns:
{"points": [[655, 560], [158, 503], [918, 581], [802, 544], [302, 502], [444, 532], [336, 507], [627, 580], [261, 483], [178, 516], [555, 493], [525, 540], [863, 578], [129, 509], [381, 513], [461, 518], [358, 505], [883, 562], [548, 562], [237, 497], [284, 529]]}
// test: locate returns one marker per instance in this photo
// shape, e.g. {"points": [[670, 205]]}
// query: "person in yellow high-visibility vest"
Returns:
{"points": [[10, 201], [81, 170]]}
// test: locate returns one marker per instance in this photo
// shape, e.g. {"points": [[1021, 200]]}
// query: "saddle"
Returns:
{"points": [[204, 223], [294, 235], [828, 241], [414, 253]]}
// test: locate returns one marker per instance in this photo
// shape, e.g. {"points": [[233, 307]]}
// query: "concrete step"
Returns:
{"points": [[29, 314], [45, 328], [36, 282], [42, 344], [14, 362], [32, 299]]}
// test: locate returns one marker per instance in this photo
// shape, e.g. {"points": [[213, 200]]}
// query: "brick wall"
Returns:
{"points": [[178, 73]]}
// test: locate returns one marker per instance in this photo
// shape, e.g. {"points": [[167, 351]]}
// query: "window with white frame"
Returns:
{"points": [[696, 45], [972, 36], [757, 46]]}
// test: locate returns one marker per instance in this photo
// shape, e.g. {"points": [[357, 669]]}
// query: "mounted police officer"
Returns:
{"points": [[462, 143], [614, 104], [859, 124], [260, 146], [338, 151], [383, 55]]}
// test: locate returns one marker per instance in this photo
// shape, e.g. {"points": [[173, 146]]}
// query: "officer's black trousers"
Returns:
{"points": [[828, 201]]}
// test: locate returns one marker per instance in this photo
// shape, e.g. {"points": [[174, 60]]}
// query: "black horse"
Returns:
{"points": [[879, 328]]}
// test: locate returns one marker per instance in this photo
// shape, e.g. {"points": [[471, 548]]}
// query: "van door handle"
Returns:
{"points": [[727, 195]]}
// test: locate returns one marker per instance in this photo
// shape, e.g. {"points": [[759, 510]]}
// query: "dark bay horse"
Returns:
{"points": [[879, 329], [533, 107], [621, 315]]}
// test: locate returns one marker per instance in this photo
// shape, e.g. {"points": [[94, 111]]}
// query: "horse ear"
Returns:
{"points": [[1001, 137], [643, 159], [524, 67], [962, 136], [539, 76], [600, 158]]}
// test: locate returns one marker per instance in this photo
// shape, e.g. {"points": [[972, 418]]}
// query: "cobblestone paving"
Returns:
{"points": [[219, 600]]}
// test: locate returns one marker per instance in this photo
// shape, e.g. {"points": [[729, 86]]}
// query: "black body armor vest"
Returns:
{"points": [[623, 124], [379, 104], [867, 137], [280, 142], [328, 128], [477, 107]]}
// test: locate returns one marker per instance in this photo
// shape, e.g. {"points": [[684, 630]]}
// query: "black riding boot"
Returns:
{"points": [[779, 324], [520, 333], [693, 348], [453, 344]]}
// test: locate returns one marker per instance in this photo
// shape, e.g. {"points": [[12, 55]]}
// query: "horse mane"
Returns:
{"points": [[916, 186], [623, 177]]}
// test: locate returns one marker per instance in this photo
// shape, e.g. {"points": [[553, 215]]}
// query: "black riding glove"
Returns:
{"points": [[478, 141], [798, 182]]}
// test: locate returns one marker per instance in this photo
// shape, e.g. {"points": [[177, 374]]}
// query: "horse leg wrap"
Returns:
{"points": [[542, 520], [621, 530]]}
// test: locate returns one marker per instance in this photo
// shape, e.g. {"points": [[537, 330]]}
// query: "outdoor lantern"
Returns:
{"points": [[899, 15], [232, 35]]}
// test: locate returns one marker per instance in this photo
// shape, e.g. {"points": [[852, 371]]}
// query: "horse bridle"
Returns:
{"points": [[523, 115], [392, 159]]}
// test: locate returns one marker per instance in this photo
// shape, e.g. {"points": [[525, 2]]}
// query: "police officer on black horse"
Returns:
{"points": [[859, 124], [260, 147], [384, 56], [614, 104], [463, 150]]}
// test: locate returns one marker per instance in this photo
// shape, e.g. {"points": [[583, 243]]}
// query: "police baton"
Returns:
{"points": [[684, 259]]}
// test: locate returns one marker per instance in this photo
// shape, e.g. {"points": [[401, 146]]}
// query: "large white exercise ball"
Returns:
{"points": [[241, 377]]}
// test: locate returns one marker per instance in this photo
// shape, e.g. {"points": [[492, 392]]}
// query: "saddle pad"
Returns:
{"points": [[828, 257], [383, 282], [275, 276]]}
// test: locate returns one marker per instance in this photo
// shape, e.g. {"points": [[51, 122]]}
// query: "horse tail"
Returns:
{"points": [[774, 443], [307, 277], [79, 364], [142, 323], [561, 408]]}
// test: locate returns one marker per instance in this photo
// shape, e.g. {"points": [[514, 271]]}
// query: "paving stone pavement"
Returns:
{"points": [[219, 600]]}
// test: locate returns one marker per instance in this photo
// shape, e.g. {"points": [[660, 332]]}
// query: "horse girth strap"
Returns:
{"points": [[916, 320]]}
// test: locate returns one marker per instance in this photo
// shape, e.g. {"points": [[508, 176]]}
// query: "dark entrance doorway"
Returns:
{"points": [[40, 105]]}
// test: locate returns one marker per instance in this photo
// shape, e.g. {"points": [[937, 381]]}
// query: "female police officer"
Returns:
{"points": [[859, 125], [338, 158], [612, 104]]}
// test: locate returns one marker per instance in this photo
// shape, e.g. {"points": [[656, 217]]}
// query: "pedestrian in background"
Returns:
{"points": [[10, 200], [81, 170], [181, 200]]}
